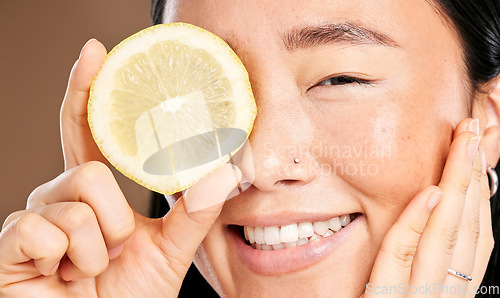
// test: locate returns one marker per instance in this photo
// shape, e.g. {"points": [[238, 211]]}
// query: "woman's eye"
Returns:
{"points": [[343, 80]]}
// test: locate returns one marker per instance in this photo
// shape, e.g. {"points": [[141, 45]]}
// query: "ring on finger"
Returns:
{"points": [[459, 275]]}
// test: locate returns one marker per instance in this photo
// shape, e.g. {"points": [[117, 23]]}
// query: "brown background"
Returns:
{"points": [[39, 42]]}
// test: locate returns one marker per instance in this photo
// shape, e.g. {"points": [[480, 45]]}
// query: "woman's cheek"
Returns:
{"points": [[389, 153]]}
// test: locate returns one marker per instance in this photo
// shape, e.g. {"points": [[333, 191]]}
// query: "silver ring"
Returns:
{"points": [[459, 275], [493, 178]]}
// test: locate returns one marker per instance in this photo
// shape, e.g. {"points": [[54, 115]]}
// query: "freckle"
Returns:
{"points": [[384, 129]]}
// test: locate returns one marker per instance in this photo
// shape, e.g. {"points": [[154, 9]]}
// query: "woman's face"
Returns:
{"points": [[366, 95]]}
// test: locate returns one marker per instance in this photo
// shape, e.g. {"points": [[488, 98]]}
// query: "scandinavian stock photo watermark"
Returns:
{"points": [[430, 289], [303, 162], [326, 160]]}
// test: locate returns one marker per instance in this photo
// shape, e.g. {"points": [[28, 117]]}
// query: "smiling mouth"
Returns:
{"points": [[297, 234]]}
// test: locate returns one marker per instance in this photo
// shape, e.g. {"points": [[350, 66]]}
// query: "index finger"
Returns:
{"points": [[92, 184], [437, 243], [77, 141]]}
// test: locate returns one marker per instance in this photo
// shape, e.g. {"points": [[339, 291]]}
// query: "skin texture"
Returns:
{"points": [[419, 95], [79, 237]]}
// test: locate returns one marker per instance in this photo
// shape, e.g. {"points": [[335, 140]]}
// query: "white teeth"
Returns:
{"points": [[251, 234], [259, 235], [266, 247], [320, 227], [278, 246], [276, 238], [333, 224], [272, 235], [306, 229], [245, 232], [289, 233], [315, 237], [302, 241], [345, 220]]}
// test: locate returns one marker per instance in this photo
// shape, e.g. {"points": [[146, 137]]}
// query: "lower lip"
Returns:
{"points": [[292, 259]]}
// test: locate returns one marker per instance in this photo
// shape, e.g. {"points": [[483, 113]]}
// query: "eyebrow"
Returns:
{"points": [[349, 33]]}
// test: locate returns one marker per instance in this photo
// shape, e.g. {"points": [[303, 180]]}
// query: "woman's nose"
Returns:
{"points": [[282, 133], [280, 157], [280, 167]]}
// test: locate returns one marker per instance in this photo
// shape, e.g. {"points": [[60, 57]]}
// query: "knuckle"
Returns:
{"points": [[459, 184], [91, 171], [477, 168], [415, 230], [27, 224], [449, 236], [404, 246], [58, 245], [30, 225], [462, 184], [404, 254], [123, 230], [75, 216], [472, 226], [173, 255], [97, 267], [34, 196], [485, 195], [12, 217], [476, 174]]}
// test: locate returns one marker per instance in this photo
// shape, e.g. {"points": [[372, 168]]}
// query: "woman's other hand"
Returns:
{"points": [[78, 235], [447, 226]]}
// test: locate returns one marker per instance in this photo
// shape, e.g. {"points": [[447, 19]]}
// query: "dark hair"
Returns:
{"points": [[157, 8], [477, 23]]}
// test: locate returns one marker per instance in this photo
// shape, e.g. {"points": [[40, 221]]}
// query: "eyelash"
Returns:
{"points": [[343, 80]]}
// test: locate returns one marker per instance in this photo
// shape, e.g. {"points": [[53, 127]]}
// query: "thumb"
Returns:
{"points": [[77, 142], [182, 230]]}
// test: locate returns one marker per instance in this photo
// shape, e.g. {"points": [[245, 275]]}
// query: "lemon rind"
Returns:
{"points": [[223, 52]]}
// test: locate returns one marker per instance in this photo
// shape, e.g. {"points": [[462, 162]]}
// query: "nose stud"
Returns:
{"points": [[296, 160]]}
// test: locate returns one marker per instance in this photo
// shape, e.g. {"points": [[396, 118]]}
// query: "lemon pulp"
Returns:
{"points": [[165, 100]]}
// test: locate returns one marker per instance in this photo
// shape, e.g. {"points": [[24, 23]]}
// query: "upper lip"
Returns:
{"points": [[285, 218]]}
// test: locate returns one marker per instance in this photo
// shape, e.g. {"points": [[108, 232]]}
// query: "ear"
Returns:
{"points": [[486, 107]]}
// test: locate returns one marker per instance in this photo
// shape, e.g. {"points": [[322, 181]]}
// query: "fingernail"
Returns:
{"points": [[434, 200], [474, 126], [483, 160], [116, 251], [84, 46], [54, 269], [472, 147], [213, 189]]}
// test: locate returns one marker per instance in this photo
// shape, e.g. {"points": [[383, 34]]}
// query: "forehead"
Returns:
{"points": [[428, 48], [266, 21]]}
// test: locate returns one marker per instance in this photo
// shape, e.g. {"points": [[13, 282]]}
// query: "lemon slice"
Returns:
{"points": [[169, 105]]}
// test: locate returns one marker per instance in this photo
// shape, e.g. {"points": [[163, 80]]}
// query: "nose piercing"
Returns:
{"points": [[296, 160]]}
